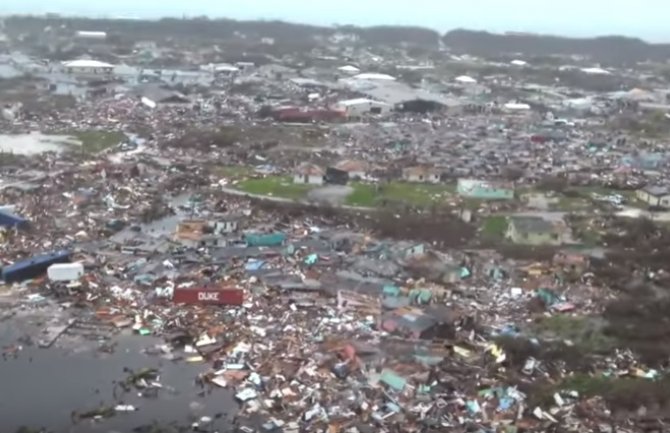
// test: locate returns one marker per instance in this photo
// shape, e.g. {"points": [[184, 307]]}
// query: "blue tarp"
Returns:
{"points": [[8, 219], [254, 265], [34, 266]]}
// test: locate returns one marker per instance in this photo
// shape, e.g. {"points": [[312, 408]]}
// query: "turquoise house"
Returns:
{"points": [[264, 239], [485, 190]]}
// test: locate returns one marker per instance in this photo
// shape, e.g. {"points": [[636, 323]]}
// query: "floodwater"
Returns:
{"points": [[42, 387], [35, 143]]}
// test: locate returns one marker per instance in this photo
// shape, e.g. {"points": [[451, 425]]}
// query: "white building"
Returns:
{"points": [[87, 67], [309, 174], [516, 107], [464, 79], [362, 106], [225, 69], [596, 71], [91, 36], [421, 174]]}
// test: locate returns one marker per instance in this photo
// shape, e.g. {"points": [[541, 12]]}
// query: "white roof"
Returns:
{"points": [[517, 106], [91, 33], [466, 79], [373, 76], [596, 71], [519, 63], [348, 68], [360, 101], [86, 64], [226, 68]]}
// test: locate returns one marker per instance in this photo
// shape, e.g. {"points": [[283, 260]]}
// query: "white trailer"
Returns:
{"points": [[65, 271]]}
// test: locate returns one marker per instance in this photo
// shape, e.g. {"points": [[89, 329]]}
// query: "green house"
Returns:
{"points": [[485, 190]]}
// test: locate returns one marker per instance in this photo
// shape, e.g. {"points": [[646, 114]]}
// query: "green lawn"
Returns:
{"points": [[494, 227], [582, 197], [275, 186], [584, 332], [93, 141], [370, 195]]}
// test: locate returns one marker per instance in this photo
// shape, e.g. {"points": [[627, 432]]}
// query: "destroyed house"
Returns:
{"points": [[335, 176], [227, 224], [197, 233], [355, 169], [33, 267], [571, 261], [152, 95], [534, 231], [415, 323]]}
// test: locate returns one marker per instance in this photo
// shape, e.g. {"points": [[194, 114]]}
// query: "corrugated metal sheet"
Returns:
{"points": [[392, 379], [209, 296]]}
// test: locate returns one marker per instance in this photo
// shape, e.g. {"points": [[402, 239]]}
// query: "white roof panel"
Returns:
{"points": [[86, 64], [373, 76]]}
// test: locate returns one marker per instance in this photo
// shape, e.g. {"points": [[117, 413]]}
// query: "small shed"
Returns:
{"points": [[418, 324]]}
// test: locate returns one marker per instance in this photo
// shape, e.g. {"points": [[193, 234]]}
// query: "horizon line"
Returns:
{"points": [[327, 26]]}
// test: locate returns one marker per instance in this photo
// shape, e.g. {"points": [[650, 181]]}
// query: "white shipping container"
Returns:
{"points": [[65, 271]]}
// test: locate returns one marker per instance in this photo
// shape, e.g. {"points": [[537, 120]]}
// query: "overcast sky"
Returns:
{"points": [[643, 18]]}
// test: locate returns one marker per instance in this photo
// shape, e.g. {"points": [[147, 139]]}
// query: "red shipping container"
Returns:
{"points": [[208, 296]]}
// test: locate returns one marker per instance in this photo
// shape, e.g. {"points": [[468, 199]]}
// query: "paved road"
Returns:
{"points": [[233, 191]]}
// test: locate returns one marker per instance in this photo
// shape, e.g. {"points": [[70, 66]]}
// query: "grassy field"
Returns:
{"points": [[494, 227], [93, 141], [368, 195], [275, 186]]}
